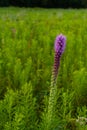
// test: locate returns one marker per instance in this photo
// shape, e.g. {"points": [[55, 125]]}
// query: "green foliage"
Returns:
{"points": [[17, 110], [82, 120], [27, 102], [80, 86]]}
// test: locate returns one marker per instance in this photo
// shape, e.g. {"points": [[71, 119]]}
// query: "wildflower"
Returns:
{"points": [[59, 48], [82, 120]]}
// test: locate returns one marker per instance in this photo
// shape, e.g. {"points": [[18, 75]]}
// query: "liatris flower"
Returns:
{"points": [[59, 47]]}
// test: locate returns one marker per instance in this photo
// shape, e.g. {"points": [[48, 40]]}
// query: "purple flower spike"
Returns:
{"points": [[60, 44]]}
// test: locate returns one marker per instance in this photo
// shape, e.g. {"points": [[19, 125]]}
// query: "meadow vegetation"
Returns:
{"points": [[26, 58]]}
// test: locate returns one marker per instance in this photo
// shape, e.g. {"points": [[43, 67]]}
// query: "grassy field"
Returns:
{"points": [[26, 58]]}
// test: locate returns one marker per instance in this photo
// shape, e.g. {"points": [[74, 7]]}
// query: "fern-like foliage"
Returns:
{"points": [[17, 110]]}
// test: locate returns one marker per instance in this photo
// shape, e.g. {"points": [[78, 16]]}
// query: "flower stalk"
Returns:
{"points": [[59, 48]]}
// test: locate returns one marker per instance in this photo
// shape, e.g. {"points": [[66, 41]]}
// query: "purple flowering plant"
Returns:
{"points": [[59, 47]]}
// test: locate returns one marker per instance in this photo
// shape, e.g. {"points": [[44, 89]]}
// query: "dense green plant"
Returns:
{"points": [[17, 110], [26, 59]]}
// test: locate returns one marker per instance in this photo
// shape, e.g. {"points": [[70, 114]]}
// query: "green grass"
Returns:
{"points": [[26, 58]]}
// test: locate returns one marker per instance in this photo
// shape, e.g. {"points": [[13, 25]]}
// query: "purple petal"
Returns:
{"points": [[60, 43]]}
